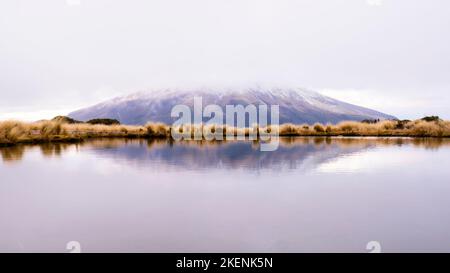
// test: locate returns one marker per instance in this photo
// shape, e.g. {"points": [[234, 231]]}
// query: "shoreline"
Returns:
{"points": [[16, 132], [76, 140]]}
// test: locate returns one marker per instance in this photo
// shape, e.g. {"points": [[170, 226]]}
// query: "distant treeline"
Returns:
{"points": [[104, 121]]}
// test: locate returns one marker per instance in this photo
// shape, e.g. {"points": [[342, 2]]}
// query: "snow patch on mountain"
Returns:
{"points": [[297, 105]]}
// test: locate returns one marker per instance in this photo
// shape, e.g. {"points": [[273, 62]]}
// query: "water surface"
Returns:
{"points": [[312, 194]]}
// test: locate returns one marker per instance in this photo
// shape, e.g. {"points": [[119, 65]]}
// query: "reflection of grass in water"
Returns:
{"points": [[11, 154], [16, 152], [53, 149], [344, 142], [349, 142]]}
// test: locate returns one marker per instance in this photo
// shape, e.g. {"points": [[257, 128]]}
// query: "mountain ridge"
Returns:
{"points": [[297, 105]]}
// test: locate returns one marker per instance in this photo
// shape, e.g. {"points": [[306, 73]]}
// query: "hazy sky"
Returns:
{"points": [[59, 55]]}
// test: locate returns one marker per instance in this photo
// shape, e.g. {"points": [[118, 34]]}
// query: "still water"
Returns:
{"points": [[311, 195]]}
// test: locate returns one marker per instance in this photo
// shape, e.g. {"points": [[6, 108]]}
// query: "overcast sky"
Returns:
{"points": [[59, 55]]}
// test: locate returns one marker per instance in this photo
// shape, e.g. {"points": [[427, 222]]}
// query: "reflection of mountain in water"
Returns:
{"points": [[236, 155], [293, 153]]}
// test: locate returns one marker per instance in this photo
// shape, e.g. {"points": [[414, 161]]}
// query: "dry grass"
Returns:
{"points": [[84, 130], [12, 132], [157, 130], [418, 128]]}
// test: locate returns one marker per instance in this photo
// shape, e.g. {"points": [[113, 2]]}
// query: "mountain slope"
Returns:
{"points": [[296, 105]]}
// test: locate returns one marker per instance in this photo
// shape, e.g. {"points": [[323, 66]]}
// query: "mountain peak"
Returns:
{"points": [[297, 105]]}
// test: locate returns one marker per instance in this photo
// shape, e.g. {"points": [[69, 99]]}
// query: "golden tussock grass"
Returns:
{"points": [[418, 128], [12, 132]]}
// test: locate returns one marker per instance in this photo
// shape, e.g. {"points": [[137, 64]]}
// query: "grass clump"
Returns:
{"points": [[157, 130], [319, 128], [288, 129]]}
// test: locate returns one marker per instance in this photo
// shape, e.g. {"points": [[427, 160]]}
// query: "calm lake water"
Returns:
{"points": [[311, 195]]}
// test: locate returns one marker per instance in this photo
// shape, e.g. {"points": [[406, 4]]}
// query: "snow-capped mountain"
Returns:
{"points": [[296, 105]]}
